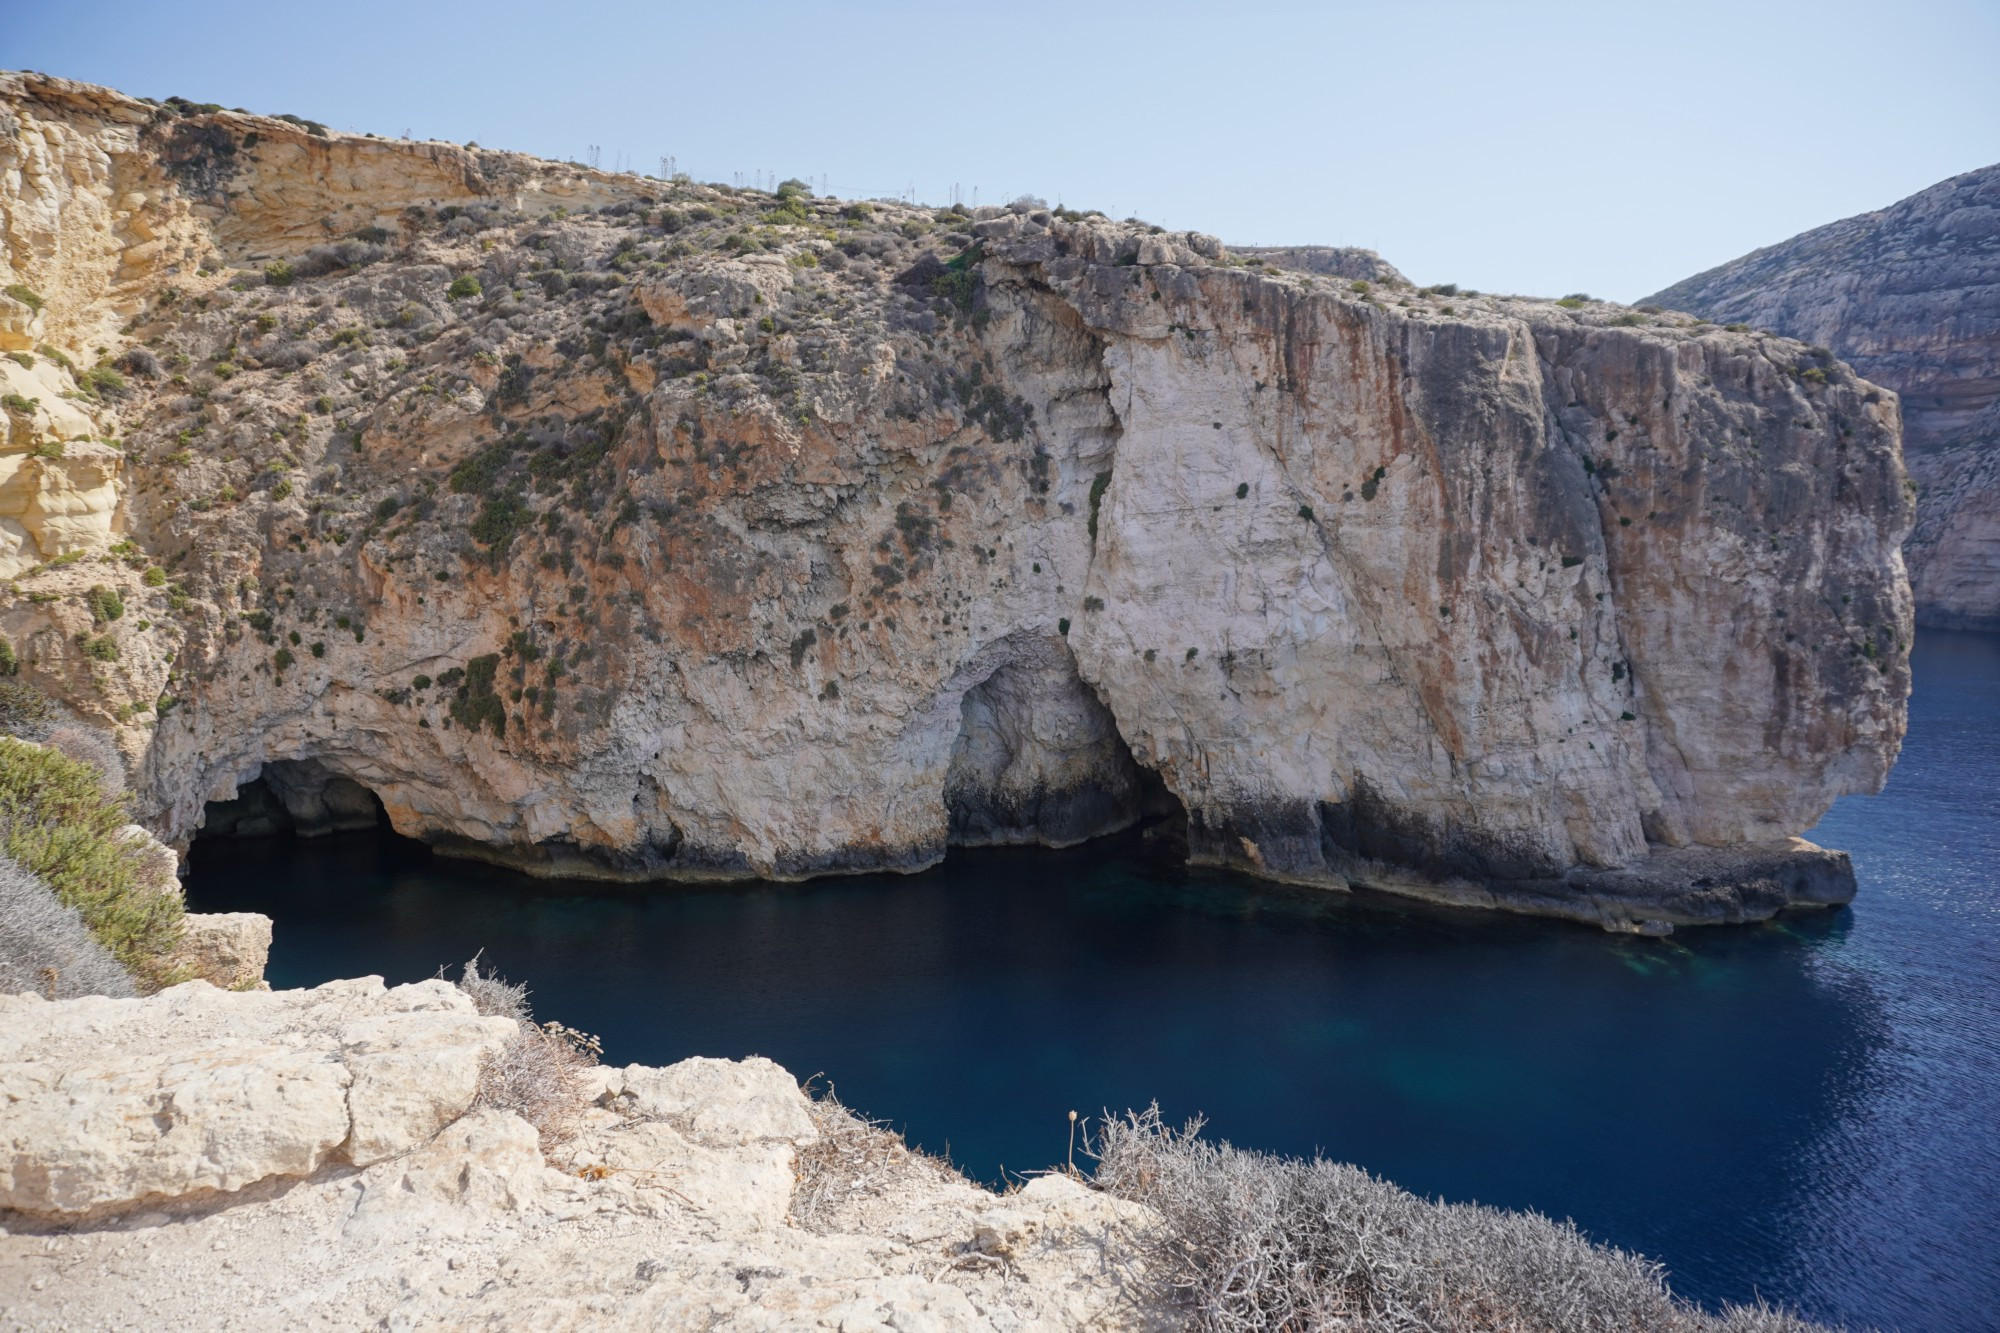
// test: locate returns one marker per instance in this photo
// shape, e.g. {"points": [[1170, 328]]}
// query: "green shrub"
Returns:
{"points": [[103, 648], [1242, 489], [154, 577], [282, 659], [1098, 485], [477, 705], [14, 402], [105, 604], [279, 274], [462, 286], [103, 381], [22, 706], [57, 823], [10, 662], [26, 295], [1306, 513]]}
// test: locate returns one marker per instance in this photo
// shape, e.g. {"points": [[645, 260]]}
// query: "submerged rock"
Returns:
{"points": [[607, 526]]}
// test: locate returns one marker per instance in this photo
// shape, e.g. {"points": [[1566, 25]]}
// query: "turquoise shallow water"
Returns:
{"points": [[1809, 1110]]}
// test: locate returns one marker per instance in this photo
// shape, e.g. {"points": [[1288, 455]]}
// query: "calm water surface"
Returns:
{"points": [[1809, 1110]]}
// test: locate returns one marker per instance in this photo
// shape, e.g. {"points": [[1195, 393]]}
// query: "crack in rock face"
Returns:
{"points": [[613, 527]]}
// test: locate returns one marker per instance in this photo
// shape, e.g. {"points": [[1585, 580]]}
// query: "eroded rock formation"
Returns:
{"points": [[1910, 294], [712, 533], [206, 1160]]}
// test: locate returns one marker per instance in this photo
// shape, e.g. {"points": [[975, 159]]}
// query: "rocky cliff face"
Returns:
{"points": [[1910, 294], [647, 529]]}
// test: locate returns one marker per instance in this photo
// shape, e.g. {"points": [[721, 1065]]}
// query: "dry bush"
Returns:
{"points": [[539, 1074], [87, 745], [493, 996], [853, 1160], [45, 946], [1249, 1241]]}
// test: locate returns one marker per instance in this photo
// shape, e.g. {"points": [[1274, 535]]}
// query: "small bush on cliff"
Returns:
{"points": [[1250, 1241], [476, 704], [539, 1074], [91, 747], [26, 295], [24, 710], [462, 286], [853, 1161], [104, 603], [58, 824]]}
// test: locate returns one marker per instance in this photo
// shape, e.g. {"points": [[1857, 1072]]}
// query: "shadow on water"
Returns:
{"points": [[1720, 1099]]}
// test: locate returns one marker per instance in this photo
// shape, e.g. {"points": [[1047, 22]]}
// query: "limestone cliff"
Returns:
{"points": [[1910, 294], [646, 529]]}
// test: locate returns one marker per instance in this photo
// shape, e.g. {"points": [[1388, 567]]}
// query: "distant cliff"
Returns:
{"points": [[616, 526], [1910, 296]]}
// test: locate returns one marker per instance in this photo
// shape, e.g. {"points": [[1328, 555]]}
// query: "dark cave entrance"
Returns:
{"points": [[1038, 760], [300, 797]]}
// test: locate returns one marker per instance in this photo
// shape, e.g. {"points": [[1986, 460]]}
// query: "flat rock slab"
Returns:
{"points": [[106, 1104]]}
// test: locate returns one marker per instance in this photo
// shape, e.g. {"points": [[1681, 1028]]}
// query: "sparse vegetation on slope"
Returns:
{"points": [[59, 824]]}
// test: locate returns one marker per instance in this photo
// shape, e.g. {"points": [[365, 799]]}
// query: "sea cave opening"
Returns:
{"points": [[299, 797], [1039, 760]]}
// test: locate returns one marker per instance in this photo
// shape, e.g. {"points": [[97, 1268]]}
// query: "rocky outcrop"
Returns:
{"points": [[207, 1160], [1333, 261], [1910, 295], [227, 949], [711, 534]]}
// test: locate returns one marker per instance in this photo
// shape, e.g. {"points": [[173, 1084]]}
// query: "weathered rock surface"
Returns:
{"points": [[713, 533], [306, 1159], [1910, 295], [227, 949]]}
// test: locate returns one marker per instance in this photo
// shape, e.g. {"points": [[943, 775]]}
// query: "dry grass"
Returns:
{"points": [[539, 1074], [853, 1160], [93, 748], [45, 947], [1252, 1242]]}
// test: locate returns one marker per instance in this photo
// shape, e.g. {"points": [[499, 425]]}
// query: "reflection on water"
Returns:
{"points": [[1804, 1109]]}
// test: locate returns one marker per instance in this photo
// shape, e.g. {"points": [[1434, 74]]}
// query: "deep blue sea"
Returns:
{"points": [[1808, 1110]]}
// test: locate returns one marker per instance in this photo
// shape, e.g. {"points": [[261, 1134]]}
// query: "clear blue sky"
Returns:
{"points": [[1609, 147]]}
